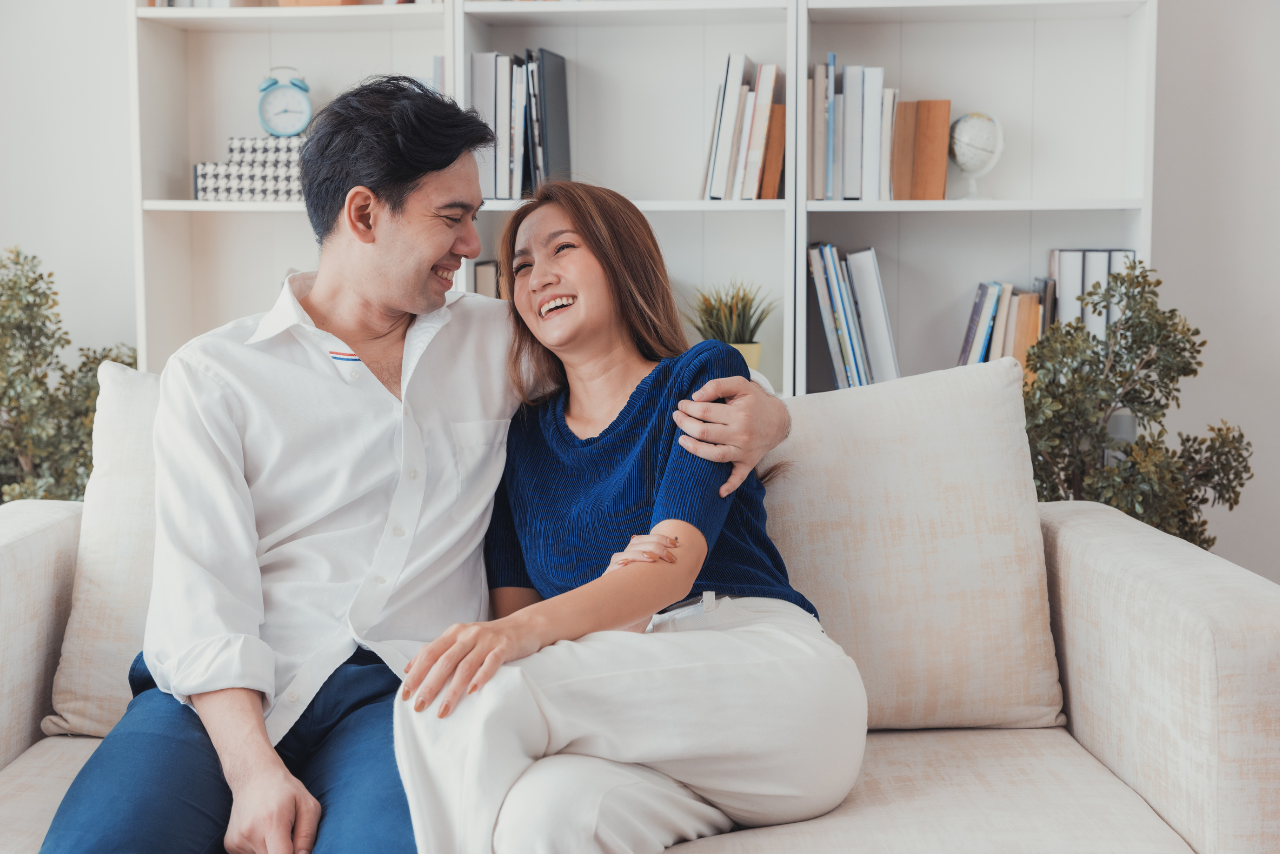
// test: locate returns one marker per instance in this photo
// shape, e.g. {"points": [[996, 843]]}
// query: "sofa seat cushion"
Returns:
{"points": [[979, 791], [32, 786]]}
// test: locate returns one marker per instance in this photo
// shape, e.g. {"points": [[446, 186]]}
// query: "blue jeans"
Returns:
{"points": [[155, 782]]}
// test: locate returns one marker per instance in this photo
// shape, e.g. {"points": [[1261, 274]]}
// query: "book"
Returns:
{"points": [[843, 310], [929, 163], [533, 136], [808, 154], [872, 112], [1097, 264], [818, 137], [715, 141], [553, 115], [982, 341], [902, 161], [822, 372], [1069, 264], [1001, 321], [1046, 289], [877, 332], [1010, 326], [1027, 327], [775, 148], [484, 98], [854, 315], [744, 143], [486, 279], [762, 114], [886, 141], [519, 107], [737, 69], [829, 191], [971, 330], [502, 127], [850, 148], [836, 164], [817, 273]]}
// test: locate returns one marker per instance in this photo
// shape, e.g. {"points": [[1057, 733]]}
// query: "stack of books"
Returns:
{"points": [[868, 145], [257, 169], [526, 102], [1075, 271], [748, 138], [855, 316], [1004, 322]]}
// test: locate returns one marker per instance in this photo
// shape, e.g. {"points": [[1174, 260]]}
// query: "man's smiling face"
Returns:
{"points": [[417, 252]]}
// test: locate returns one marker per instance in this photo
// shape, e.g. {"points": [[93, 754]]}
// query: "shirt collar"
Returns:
{"points": [[287, 312]]}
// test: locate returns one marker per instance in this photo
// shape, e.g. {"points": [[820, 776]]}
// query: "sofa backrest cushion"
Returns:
{"points": [[909, 519], [113, 565]]}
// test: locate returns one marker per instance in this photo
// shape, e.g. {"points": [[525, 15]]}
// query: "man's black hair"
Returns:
{"points": [[384, 134]]}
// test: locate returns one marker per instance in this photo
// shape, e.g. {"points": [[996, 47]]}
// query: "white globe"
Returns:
{"points": [[977, 141]]}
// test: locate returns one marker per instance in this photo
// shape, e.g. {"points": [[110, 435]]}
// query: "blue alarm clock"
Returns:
{"points": [[284, 108]]}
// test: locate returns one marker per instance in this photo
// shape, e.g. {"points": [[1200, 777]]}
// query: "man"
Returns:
{"points": [[325, 476]]}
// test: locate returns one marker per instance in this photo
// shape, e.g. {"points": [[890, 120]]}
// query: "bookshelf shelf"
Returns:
{"points": [[666, 205], [251, 19], [897, 11], [179, 205], [624, 12], [957, 205]]}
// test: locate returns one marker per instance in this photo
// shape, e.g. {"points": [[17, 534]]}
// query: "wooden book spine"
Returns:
{"points": [[904, 150], [774, 148], [1027, 331], [933, 132]]}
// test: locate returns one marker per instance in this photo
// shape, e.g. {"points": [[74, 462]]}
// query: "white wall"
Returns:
{"points": [[1215, 227], [64, 195], [64, 157]]}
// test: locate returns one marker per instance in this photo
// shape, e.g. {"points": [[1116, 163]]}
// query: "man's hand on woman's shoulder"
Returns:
{"points": [[746, 425]]}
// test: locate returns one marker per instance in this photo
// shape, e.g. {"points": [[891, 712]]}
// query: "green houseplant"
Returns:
{"points": [[46, 408], [1077, 383], [732, 314]]}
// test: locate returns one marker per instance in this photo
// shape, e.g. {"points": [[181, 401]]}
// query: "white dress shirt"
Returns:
{"points": [[303, 510]]}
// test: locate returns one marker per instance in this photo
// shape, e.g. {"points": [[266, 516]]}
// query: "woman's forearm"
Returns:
{"points": [[622, 597]]}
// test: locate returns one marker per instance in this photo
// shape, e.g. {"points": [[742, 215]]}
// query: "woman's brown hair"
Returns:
{"points": [[620, 238]]}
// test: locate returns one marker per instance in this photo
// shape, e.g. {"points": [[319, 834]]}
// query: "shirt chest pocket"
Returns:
{"points": [[480, 452]]}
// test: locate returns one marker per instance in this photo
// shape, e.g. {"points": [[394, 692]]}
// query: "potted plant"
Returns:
{"points": [[1078, 384], [732, 314], [46, 407]]}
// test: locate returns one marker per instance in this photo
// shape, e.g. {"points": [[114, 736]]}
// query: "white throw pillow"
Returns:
{"points": [[113, 565], [909, 519]]}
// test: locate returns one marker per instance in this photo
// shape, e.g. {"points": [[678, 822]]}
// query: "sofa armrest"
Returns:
{"points": [[1170, 666], [38, 541]]}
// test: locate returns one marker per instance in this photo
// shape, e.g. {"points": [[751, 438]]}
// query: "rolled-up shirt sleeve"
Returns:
{"points": [[206, 612]]}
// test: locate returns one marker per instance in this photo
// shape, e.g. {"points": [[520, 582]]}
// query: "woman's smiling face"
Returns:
{"points": [[561, 291]]}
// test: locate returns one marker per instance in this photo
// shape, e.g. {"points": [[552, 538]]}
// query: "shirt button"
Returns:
{"points": [[355, 375], [398, 531], [293, 696], [378, 579], [413, 474]]}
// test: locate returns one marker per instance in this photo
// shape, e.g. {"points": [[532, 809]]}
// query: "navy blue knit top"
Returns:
{"points": [[567, 505]]}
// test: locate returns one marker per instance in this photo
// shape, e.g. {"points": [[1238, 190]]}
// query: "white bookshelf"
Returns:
{"points": [[642, 78]]}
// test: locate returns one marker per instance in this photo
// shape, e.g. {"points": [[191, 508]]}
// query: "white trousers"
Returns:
{"points": [[623, 742]]}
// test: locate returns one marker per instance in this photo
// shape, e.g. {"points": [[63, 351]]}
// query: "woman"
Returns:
{"points": [[548, 730]]}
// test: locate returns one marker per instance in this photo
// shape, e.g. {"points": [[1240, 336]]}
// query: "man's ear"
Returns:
{"points": [[358, 213]]}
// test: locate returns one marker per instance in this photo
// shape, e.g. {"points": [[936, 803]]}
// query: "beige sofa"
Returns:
{"points": [[1040, 678]]}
